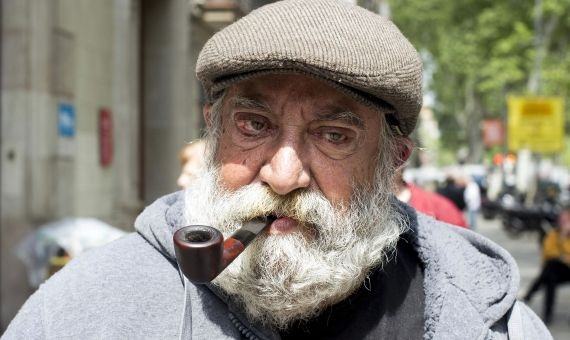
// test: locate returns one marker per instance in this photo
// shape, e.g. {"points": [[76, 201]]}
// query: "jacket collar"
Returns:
{"points": [[470, 283]]}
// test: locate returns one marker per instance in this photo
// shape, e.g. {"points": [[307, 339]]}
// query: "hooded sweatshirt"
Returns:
{"points": [[132, 289]]}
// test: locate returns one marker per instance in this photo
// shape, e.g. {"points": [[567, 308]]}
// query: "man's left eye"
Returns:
{"points": [[335, 135], [335, 141]]}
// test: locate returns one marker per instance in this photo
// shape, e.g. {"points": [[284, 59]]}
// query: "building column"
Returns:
{"points": [[165, 92], [126, 115], [26, 143]]}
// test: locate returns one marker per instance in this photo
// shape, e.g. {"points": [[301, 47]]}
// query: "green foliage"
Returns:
{"points": [[488, 42]]}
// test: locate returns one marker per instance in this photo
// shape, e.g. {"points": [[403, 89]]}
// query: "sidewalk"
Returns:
{"points": [[526, 252]]}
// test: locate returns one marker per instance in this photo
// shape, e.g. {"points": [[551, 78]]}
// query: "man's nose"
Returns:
{"points": [[285, 171]]}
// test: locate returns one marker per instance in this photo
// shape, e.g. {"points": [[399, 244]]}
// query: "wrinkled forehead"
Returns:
{"points": [[277, 92]]}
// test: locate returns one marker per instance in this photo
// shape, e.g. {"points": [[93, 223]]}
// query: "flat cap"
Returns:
{"points": [[359, 52]]}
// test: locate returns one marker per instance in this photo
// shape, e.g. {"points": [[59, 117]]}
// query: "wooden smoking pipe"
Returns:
{"points": [[202, 253]]}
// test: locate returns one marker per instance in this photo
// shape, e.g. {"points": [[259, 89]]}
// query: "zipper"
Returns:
{"points": [[245, 332]]}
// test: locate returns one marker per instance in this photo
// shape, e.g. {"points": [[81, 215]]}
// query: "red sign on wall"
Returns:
{"points": [[105, 137], [493, 132]]}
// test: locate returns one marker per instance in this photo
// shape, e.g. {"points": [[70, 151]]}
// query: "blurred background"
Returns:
{"points": [[99, 97]]}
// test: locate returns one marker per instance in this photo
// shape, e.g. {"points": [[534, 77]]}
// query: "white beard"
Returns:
{"points": [[280, 279]]}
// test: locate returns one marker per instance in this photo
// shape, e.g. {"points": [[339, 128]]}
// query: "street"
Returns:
{"points": [[525, 250]]}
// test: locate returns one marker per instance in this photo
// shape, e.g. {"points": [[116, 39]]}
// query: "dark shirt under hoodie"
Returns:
{"points": [[389, 305]]}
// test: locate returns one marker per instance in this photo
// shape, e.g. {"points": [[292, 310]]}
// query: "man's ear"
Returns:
{"points": [[206, 112], [405, 148]]}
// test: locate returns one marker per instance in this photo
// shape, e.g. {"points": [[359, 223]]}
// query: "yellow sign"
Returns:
{"points": [[536, 123]]}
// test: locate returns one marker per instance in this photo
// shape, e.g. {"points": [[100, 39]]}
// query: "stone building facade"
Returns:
{"points": [[97, 99]]}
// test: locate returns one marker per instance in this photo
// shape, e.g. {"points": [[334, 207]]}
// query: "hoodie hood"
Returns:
{"points": [[158, 222], [470, 283]]}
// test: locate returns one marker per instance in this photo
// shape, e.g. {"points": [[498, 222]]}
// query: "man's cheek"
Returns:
{"points": [[337, 182], [235, 175]]}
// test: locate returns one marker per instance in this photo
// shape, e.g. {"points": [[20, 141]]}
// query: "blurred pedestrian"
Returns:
{"points": [[427, 202], [472, 197], [556, 264], [453, 192], [192, 161]]}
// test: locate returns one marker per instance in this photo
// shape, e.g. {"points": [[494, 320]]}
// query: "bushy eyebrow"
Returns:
{"points": [[249, 103], [345, 116]]}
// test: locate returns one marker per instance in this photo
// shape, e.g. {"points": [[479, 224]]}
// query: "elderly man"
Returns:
{"points": [[311, 103]]}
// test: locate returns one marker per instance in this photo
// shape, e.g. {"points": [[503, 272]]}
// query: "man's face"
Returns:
{"points": [[292, 147], [291, 132]]}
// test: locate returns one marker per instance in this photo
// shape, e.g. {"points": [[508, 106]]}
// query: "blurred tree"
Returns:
{"points": [[482, 50]]}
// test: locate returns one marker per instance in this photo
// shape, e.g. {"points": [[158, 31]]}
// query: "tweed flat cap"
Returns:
{"points": [[351, 48]]}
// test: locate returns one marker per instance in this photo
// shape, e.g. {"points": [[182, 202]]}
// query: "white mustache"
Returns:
{"points": [[310, 208]]}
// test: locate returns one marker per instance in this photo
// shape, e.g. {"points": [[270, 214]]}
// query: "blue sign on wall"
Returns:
{"points": [[66, 120]]}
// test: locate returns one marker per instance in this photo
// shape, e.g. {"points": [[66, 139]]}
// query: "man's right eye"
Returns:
{"points": [[252, 125]]}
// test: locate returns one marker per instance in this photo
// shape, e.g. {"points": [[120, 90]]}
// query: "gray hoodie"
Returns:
{"points": [[132, 289]]}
